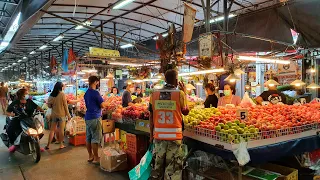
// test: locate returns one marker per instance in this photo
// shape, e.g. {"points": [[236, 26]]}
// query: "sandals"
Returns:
{"points": [[62, 147], [90, 160]]}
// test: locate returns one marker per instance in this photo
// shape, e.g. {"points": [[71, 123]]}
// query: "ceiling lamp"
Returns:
{"points": [[24, 57], [129, 81], [297, 83], [247, 87], [271, 83], [58, 38], [43, 47], [121, 3], [163, 35], [238, 72], [19, 60], [232, 78], [126, 46], [190, 87], [221, 18], [199, 83], [32, 52], [313, 86], [202, 72], [159, 76], [258, 85], [110, 75], [158, 86], [264, 60]]}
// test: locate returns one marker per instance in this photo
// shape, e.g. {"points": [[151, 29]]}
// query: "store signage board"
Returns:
{"points": [[95, 51], [242, 114], [205, 45]]}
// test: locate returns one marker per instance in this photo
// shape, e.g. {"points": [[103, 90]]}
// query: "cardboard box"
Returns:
{"points": [[286, 172], [108, 126], [112, 160], [143, 125]]}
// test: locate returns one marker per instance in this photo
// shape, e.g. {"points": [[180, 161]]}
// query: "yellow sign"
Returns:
{"points": [[94, 51], [165, 105]]}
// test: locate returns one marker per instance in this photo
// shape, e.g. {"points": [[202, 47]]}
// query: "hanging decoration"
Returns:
{"points": [[65, 61], [71, 61], [53, 65], [140, 73], [188, 22]]}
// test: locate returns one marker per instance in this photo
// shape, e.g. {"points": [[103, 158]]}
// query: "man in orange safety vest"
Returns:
{"points": [[167, 106]]}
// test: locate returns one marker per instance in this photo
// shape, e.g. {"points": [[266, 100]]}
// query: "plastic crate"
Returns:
{"points": [[133, 158], [136, 143], [79, 139]]}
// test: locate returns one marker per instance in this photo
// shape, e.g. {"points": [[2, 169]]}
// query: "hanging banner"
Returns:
{"points": [[53, 65], [188, 22], [64, 65], [71, 61], [205, 45], [287, 68]]}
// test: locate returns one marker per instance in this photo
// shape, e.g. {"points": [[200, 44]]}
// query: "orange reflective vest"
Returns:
{"points": [[167, 115]]}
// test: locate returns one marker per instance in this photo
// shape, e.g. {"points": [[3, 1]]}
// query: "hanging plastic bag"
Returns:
{"points": [[143, 170], [48, 113], [246, 101], [69, 127], [242, 154], [39, 117]]}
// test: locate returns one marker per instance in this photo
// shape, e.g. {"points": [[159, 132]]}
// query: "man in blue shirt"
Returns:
{"points": [[94, 103]]}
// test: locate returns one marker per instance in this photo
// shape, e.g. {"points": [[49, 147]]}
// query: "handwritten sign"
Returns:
{"points": [[242, 114], [165, 105]]}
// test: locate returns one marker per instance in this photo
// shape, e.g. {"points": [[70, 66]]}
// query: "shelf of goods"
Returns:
{"points": [[264, 125]]}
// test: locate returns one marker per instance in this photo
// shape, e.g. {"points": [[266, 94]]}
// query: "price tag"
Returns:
{"points": [[242, 114], [265, 103]]}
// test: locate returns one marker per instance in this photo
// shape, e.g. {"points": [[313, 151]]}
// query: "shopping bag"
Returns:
{"points": [[246, 101], [143, 170], [242, 154], [39, 117]]}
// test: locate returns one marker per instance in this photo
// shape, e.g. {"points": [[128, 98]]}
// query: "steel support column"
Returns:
{"points": [[115, 35], [101, 35]]}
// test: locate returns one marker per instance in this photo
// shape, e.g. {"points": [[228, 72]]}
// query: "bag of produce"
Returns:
{"points": [[246, 101], [143, 170]]}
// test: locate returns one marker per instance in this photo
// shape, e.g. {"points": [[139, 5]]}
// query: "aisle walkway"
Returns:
{"points": [[69, 163]]}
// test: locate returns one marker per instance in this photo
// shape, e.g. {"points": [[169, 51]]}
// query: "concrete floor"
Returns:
{"points": [[69, 163]]}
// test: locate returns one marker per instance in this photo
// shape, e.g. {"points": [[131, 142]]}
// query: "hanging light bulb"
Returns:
{"points": [[199, 83], [129, 81], [232, 78], [190, 87], [238, 72], [313, 86], [271, 83], [258, 85], [247, 87], [297, 83], [159, 76]]}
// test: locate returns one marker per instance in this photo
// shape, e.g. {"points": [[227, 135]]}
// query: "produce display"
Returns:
{"points": [[134, 112], [262, 122]]}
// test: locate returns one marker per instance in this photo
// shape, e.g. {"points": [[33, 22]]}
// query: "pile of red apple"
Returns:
{"points": [[271, 117], [70, 97]]}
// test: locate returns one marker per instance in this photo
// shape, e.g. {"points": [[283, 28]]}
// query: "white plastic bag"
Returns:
{"points": [[246, 101], [39, 117], [48, 113], [70, 127], [242, 154]]}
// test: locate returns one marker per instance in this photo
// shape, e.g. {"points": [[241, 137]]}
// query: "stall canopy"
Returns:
{"points": [[139, 21]]}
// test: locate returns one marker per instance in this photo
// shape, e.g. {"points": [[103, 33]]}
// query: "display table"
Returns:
{"points": [[130, 128], [263, 154]]}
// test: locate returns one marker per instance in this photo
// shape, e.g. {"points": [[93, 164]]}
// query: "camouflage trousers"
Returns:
{"points": [[168, 160]]}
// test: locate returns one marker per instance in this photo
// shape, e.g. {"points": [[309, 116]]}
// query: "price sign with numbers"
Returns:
{"points": [[242, 114]]}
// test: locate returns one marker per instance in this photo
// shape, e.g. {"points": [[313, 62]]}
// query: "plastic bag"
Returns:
{"points": [[39, 117], [246, 101], [242, 154], [143, 170], [48, 113]]}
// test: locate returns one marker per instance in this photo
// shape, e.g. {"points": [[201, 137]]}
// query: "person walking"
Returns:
{"points": [[3, 97], [59, 114], [166, 109], [94, 103]]}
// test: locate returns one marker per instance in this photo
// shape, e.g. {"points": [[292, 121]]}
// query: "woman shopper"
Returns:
{"points": [[60, 113], [229, 97], [211, 100]]}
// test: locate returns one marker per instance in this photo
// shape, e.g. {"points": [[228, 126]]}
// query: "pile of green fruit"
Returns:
{"points": [[195, 116], [234, 131]]}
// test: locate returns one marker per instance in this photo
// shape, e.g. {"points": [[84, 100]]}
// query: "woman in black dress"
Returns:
{"points": [[211, 100]]}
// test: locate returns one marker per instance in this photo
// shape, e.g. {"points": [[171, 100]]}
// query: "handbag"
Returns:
{"points": [[143, 170]]}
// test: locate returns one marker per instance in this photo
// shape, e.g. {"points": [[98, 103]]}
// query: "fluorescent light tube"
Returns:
{"points": [[265, 60], [221, 18], [14, 64], [58, 38], [19, 60], [121, 3], [43, 47], [126, 46], [24, 57], [32, 52], [4, 44], [202, 72]]}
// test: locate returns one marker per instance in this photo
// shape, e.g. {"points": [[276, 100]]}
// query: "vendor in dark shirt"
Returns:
{"points": [[126, 96], [272, 95], [138, 92], [211, 100]]}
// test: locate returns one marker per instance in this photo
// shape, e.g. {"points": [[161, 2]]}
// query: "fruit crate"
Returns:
{"points": [[136, 143], [231, 140], [77, 140]]}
